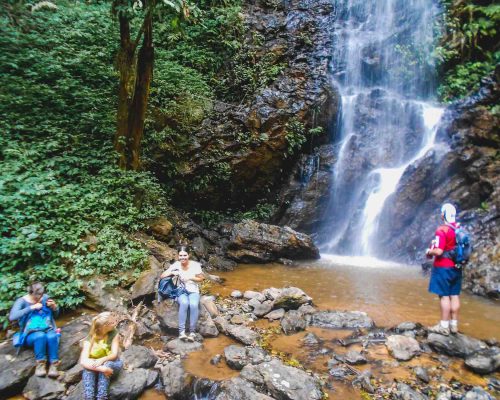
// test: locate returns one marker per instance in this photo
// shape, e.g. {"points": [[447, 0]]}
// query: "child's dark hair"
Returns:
{"points": [[183, 248], [36, 288]]}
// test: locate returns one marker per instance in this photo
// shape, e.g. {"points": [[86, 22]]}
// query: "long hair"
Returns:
{"points": [[98, 323]]}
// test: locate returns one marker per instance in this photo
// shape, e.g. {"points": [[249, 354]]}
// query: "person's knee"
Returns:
{"points": [[51, 336], [39, 337], [183, 301]]}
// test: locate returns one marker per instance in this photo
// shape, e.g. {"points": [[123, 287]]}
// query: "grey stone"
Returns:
{"points": [[484, 361], [236, 294], [180, 347], [250, 294], [457, 345], [175, 379], [341, 319], [15, 370], [260, 309], [275, 314], [130, 384], [354, 357], [147, 283], [477, 393], [293, 321], [43, 389], [402, 348], [405, 392], [291, 298], [70, 344], [422, 374], [242, 334], [239, 389], [73, 375], [139, 357]]}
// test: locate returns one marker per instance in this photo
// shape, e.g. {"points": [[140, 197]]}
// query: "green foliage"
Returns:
{"points": [[58, 180], [295, 135], [469, 46]]}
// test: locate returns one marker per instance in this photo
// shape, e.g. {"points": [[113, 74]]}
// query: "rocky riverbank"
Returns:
{"points": [[283, 348]]}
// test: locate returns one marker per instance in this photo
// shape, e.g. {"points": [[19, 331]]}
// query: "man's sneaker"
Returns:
{"points": [[183, 336], [53, 372], [40, 369], [439, 329], [454, 328], [192, 337]]}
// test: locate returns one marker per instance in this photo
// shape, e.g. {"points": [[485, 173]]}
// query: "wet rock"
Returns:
{"points": [[422, 374], [402, 348], [238, 356], [221, 263], [341, 319], [175, 379], [354, 357], [237, 319], [242, 334], [139, 357], [216, 359], [200, 247], [147, 283], [43, 389], [311, 340], [484, 361], [257, 242], [76, 392], [284, 382], [405, 392], [250, 294], [477, 393], [251, 373], [291, 298], [160, 250], [240, 389], [258, 308], [236, 294], [71, 336], [307, 309], [293, 321], [275, 314], [15, 370], [180, 347], [363, 381], [73, 375], [206, 326], [455, 345], [406, 326], [130, 384], [339, 372]]}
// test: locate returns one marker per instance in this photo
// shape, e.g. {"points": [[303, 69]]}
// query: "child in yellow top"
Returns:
{"points": [[99, 356]]}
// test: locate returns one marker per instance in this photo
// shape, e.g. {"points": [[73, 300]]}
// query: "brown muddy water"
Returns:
{"points": [[389, 293]]}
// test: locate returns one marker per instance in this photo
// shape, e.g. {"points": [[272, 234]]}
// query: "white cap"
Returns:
{"points": [[449, 212]]}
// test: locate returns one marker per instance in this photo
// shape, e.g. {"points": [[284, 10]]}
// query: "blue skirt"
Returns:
{"points": [[446, 281]]}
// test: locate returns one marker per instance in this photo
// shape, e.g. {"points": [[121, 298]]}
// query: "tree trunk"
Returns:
{"points": [[137, 111], [133, 93]]}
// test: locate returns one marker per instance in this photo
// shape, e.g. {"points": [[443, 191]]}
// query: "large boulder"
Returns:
{"points": [[70, 344], [291, 298], [182, 348], [139, 357], [293, 321], [175, 379], [130, 384], [146, 284], [43, 389], [284, 382], [484, 361], [403, 348], [240, 389], [341, 320], [252, 241], [455, 345], [99, 297], [15, 369], [238, 356]]}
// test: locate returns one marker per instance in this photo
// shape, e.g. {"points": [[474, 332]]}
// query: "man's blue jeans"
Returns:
{"points": [[44, 343], [191, 301]]}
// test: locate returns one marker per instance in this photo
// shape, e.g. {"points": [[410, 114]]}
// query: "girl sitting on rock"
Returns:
{"points": [[190, 274], [99, 356]]}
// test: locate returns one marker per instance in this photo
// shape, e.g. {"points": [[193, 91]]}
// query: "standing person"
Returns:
{"points": [[190, 274], [99, 356], [35, 315], [446, 278]]}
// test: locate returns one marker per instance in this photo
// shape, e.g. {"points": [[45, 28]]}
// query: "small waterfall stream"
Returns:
{"points": [[382, 67]]}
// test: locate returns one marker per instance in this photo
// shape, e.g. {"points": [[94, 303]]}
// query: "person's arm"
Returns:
{"points": [[198, 277], [439, 242], [169, 272], [85, 360], [20, 309], [53, 306]]}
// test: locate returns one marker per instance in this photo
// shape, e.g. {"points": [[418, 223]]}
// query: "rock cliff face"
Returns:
{"points": [[465, 170], [242, 151]]}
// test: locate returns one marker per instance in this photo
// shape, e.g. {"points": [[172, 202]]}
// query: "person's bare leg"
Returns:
{"points": [[445, 305], [455, 307]]}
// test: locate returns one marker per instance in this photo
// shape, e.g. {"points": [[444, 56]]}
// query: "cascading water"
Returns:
{"points": [[383, 70]]}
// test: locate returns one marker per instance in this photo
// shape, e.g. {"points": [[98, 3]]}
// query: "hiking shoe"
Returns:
{"points": [[53, 371], [453, 328], [40, 369], [439, 329], [192, 337], [183, 336]]}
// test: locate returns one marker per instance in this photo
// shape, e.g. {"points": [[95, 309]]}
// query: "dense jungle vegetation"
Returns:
{"points": [[66, 209], [470, 46]]}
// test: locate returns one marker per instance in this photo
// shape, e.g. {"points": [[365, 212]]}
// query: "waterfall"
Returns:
{"points": [[384, 72]]}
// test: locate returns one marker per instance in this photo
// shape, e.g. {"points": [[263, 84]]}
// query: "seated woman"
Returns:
{"points": [[35, 315], [190, 274], [99, 356]]}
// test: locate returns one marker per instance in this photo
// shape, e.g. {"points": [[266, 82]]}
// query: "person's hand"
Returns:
{"points": [[36, 306], [52, 304]]}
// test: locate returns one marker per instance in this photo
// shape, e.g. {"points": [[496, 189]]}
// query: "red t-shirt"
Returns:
{"points": [[445, 240]]}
